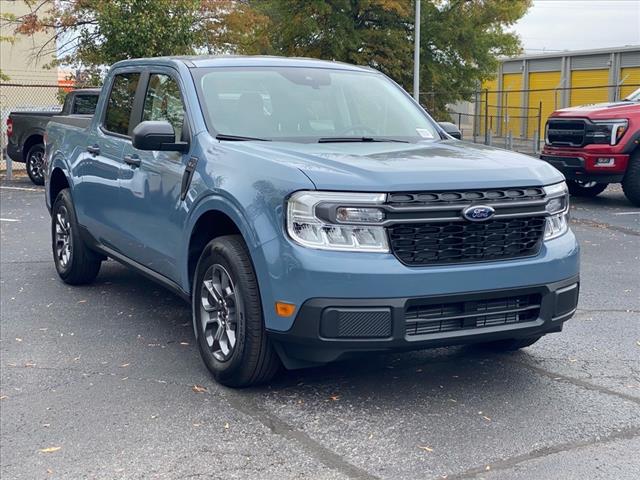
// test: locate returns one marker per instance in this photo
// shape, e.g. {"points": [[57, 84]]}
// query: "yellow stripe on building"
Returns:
{"points": [[511, 102]]}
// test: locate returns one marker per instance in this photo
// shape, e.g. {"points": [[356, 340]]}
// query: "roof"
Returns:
{"points": [[574, 53], [198, 61]]}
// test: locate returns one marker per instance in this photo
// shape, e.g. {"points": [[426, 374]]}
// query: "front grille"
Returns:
{"points": [[419, 244], [413, 199], [468, 315], [565, 133]]}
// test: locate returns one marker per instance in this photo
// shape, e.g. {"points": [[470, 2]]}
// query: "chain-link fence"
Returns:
{"points": [[20, 97], [515, 119]]}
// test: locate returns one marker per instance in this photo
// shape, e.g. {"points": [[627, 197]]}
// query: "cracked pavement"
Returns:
{"points": [[106, 373]]}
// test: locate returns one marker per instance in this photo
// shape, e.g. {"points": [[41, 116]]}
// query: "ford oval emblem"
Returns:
{"points": [[478, 213]]}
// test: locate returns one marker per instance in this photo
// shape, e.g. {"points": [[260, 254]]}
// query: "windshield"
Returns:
{"points": [[309, 104], [634, 97]]}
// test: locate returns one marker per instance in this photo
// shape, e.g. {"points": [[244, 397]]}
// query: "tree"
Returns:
{"points": [[460, 43]]}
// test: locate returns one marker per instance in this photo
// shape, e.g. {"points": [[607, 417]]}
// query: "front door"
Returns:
{"points": [[151, 183]]}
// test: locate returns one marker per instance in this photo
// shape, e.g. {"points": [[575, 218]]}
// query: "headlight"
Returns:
{"points": [[558, 209], [337, 221], [608, 131]]}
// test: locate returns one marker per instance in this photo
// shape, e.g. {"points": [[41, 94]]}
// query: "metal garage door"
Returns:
{"points": [[589, 78], [547, 82], [629, 76], [511, 101]]}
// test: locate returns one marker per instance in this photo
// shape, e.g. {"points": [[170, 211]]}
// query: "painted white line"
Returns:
{"points": [[9, 220], [627, 213], [23, 188]]}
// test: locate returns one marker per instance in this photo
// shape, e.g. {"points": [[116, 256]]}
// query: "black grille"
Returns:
{"points": [[459, 242], [468, 315], [414, 199], [566, 132]]}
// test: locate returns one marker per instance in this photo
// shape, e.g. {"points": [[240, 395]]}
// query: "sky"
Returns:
{"points": [[554, 25]]}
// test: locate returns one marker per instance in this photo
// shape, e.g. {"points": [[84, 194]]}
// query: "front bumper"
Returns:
{"points": [[327, 329], [582, 166]]}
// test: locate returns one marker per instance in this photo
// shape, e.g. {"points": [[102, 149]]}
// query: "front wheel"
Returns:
{"points": [[35, 164], [75, 263], [586, 189], [631, 180], [227, 316]]}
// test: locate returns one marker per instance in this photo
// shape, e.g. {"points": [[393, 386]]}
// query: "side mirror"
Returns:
{"points": [[157, 135], [451, 129]]}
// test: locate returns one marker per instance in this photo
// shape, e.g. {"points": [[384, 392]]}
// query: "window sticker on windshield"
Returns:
{"points": [[424, 133]]}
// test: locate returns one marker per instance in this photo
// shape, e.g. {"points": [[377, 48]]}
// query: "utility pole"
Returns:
{"points": [[416, 54]]}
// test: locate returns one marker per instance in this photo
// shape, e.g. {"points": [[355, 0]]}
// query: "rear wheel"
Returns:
{"points": [[586, 189], [631, 180], [35, 164], [75, 263], [509, 344], [227, 316]]}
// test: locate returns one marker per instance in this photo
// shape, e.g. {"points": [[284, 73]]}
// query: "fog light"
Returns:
{"points": [[605, 162]]}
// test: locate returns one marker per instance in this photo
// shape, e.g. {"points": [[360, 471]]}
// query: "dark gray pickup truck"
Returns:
{"points": [[25, 130]]}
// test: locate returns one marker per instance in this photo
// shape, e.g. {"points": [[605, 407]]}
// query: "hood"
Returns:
{"points": [[600, 110], [386, 167]]}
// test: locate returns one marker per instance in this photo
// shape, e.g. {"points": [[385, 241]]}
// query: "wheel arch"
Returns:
{"points": [[58, 181], [32, 139]]}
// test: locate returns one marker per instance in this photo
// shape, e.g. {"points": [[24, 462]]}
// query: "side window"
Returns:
{"points": [[121, 102], [163, 102], [85, 104]]}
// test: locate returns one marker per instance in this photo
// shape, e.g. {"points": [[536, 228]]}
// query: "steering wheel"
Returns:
{"points": [[355, 128]]}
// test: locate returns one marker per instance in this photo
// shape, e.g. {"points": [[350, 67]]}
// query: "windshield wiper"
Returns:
{"points": [[239, 138], [358, 139]]}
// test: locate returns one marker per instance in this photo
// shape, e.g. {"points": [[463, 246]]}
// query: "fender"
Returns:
{"points": [[252, 236], [58, 162]]}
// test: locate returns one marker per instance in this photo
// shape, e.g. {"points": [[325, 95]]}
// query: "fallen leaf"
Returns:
{"points": [[2, 397], [184, 343], [82, 301], [226, 426], [49, 471], [18, 339], [425, 448], [125, 365], [49, 449], [199, 389], [335, 398], [486, 418]]}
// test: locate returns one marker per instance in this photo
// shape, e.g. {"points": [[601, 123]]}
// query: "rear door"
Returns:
{"points": [[97, 169], [150, 191]]}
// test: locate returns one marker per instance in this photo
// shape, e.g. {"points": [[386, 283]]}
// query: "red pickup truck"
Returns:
{"points": [[595, 145]]}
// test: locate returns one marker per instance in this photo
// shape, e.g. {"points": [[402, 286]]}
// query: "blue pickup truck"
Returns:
{"points": [[309, 211]]}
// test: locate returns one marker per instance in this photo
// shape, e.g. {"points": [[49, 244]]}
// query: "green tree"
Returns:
{"points": [[460, 43]]}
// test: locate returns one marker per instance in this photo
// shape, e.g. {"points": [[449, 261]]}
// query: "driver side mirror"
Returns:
{"points": [[451, 129], [157, 135]]}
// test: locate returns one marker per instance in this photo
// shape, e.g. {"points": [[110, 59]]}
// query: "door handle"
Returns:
{"points": [[94, 149], [132, 160]]}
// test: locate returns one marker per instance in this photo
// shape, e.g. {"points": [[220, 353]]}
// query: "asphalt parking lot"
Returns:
{"points": [[98, 382]]}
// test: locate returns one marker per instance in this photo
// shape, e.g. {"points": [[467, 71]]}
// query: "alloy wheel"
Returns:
{"points": [[63, 240], [36, 164], [220, 309]]}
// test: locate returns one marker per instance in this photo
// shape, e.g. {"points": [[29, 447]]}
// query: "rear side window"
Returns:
{"points": [[85, 104], [163, 102], [121, 102]]}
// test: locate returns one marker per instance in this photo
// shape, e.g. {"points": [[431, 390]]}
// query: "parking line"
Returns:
{"points": [[9, 220], [627, 213], [25, 189]]}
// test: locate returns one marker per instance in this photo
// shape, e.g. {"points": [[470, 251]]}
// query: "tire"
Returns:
{"points": [[631, 180], [35, 164], [586, 189], [227, 317], [75, 263], [509, 344]]}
